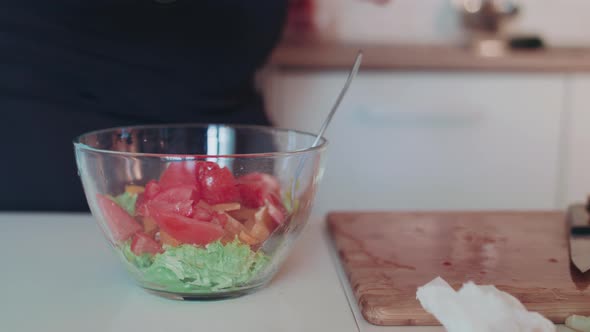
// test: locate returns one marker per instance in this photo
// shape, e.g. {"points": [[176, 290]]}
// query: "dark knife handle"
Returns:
{"points": [[578, 220], [580, 231]]}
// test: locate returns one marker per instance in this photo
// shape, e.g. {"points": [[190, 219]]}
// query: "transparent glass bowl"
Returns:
{"points": [[200, 211]]}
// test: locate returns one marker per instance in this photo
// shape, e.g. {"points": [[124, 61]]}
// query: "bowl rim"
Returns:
{"points": [[183, 156]]}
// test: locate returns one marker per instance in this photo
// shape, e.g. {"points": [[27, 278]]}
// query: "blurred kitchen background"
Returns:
{"points": [[460, 104]]}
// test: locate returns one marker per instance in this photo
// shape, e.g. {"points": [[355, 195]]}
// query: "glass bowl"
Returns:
{"points": [[200, 211]]}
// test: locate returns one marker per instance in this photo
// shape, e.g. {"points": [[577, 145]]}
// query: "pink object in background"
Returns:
{"points": [[300, 19], [313, 19]]}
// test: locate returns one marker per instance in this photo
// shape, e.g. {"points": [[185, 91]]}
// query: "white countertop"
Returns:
{"points": [[59, 275]]}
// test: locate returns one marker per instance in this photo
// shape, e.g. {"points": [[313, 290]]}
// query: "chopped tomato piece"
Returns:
{"points": [[222, 218], [252, 194], [232, 226], [270, 182], [183, 208], [121, 225], [203, 213], [152, 188], [263, 216], [174, 200], [177, 194], [205, 166], [178, 200], [276, 209], [256, 187], [140, 206], [178, 174], [144, 244], [277, 214], [150, 226], [188, 230], [204, 205], [243, 214], [219, 219], [166, 239], [217, 184]]}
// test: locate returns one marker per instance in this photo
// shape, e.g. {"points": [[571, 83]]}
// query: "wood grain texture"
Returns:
{"points": [[310, 55], [388, 255]]}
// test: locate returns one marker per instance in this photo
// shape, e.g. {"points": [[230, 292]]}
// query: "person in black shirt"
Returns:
{"points": [[70, 66]]}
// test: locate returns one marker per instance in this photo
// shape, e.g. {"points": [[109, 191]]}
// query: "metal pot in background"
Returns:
{"points": [[484, 21]]}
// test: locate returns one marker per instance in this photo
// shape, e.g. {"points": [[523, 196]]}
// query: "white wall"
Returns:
{"points": [[560, 22]]}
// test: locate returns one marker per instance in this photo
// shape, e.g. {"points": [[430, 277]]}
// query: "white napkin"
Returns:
{"points": [[479, 309], [578, 323]]}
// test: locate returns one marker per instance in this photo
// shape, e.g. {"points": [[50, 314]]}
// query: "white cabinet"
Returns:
{"points": [[577, 140], [430, 140]]}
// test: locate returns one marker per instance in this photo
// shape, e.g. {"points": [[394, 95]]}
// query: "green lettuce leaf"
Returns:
{"points": [[141, 261], [126, 201], [211, 268]]}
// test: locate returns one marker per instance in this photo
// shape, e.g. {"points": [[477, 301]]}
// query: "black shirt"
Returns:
{"points": [[70, 66]]}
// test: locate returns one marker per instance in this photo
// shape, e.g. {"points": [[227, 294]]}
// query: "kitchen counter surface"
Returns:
{"points": [[59, 275], [313, 55]]}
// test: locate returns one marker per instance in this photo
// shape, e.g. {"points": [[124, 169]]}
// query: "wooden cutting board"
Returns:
{"points": [[387, 255]]}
